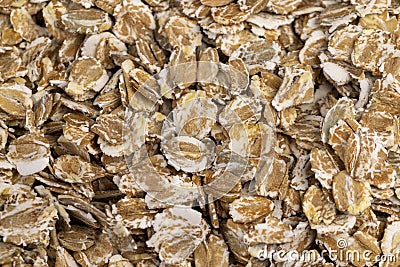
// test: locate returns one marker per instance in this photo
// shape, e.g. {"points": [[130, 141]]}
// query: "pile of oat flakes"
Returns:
{"points": [[198, 132]]}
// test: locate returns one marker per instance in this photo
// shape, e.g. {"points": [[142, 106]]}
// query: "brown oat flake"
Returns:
{"points": [[86, 21], [73, 169], [25, 25], [188, 230], [259, 54], [318, 207], [229, 14], [212, 252], [26, 220], [371, 48], [15, 98], [325, 165], [350, 195], [134, 20], [341, 42], [247, 209], [283, 7], [214, 3], [183, 32], [280, 232], [83, 87], [30, 153], [10, 62], [297, 88]]}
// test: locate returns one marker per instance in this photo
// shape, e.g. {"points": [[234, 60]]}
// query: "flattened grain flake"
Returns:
{"points": [[337, 15], [188, 230], [273, 231], [283, 7], [28, 220], [14, 97], [212, 252], [275, 183], [259, 54], [83, 87], [371, 49], [214, 3], [297, 88], [317, 206], [255, 6], [78, 238], [134, 20], [229, 14], [98, 254], [10, 62], [73, 169], [182, 31], [24, 25], [30, 153], [325, 165], [85, 21], [248, 209], [312, 48], [133, 214], [350, 195], [341, 42]]}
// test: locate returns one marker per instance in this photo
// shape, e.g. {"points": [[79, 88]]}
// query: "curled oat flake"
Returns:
{"points": [[214, 3], [189, 154], [341, 42], [10, 62], [103, 46], [133, 213], [371, 48], [194, 116], [15, 98], [229, 14], [297, 88], [78, 238], [29, 153], [240, 110], [325, 165], [283, 7], [183, 222], [25, 218]]}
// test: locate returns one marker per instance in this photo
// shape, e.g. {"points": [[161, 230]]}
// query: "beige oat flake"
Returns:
{"points": [[30, 153], [86, 21], [318, 207], [247, 209], [350, 195], [184, 224]]}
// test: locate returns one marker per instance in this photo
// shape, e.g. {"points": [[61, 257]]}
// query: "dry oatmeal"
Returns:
{"points": [[199, 132]]}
